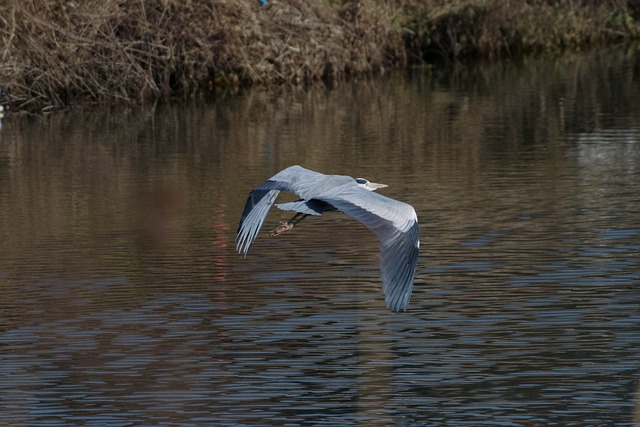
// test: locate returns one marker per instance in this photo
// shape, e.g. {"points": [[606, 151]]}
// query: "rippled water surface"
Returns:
{"points": [[124, 302]]}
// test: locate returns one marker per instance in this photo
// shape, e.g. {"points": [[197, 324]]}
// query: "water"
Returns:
{"points": [[124, 303]]}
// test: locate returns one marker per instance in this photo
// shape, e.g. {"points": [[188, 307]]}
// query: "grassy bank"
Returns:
{"points": [[56, 53]]}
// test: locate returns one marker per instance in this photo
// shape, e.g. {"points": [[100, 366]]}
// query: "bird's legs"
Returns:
{"points": [[288, 225]]}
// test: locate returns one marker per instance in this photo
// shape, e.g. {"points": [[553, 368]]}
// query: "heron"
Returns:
{"points": [[394, 222]]}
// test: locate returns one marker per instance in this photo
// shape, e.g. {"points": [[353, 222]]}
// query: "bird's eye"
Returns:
{"points": [[361, 181]]}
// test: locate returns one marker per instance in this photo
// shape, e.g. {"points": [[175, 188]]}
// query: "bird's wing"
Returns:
{"points": [[294, 179], [396, 225], [307, 207]]}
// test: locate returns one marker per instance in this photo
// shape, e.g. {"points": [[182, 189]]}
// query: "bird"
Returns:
{"points": [[1, 108], [394, 222]]}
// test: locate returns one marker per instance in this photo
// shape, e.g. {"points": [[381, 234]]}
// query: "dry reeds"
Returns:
{"points": [[484, 28], [55, 52]]}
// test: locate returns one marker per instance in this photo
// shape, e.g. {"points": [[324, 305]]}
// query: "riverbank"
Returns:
{"points": [[56, 54]]}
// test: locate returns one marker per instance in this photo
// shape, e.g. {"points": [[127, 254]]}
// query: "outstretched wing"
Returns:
{"points": [[396, 225], [294, 179]]}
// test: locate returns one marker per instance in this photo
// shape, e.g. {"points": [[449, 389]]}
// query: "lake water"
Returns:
{"points": [[123, 302]]}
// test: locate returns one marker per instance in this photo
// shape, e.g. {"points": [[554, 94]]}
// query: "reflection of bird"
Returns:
{"points": [[1, 106], [1, 109], [395, 223]]}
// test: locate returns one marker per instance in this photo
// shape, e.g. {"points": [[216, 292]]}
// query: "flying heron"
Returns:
{"points": [[395, 223]]}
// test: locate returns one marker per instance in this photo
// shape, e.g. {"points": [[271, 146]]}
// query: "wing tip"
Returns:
{"points": [[399, 304]]}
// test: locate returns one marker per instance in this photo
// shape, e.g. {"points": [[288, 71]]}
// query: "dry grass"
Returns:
{"points": [[56, 52], [486, 28]]}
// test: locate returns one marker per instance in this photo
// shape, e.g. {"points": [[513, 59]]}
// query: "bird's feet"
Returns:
{"points": [[282, 228]]}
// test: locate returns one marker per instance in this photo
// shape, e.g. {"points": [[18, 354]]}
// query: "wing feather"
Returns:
{"points": [[294, 179], [255, 211], [396, 225]]}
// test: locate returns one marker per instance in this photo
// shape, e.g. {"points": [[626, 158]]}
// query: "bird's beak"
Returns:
{"points": [[375, 185]]}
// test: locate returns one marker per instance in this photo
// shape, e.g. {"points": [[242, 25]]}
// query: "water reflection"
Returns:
{"points": [[123, 302]]}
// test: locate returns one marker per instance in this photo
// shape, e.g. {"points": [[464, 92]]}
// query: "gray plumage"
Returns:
{"points": [[395, 223]]}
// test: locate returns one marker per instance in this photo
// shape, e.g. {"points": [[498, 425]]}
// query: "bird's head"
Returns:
{"points": [[371, 186]]}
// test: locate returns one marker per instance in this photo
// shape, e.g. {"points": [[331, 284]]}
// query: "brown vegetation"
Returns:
{"points": [[55, 52]]}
